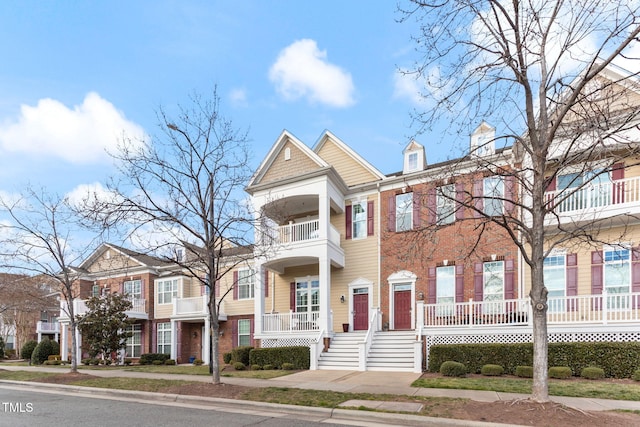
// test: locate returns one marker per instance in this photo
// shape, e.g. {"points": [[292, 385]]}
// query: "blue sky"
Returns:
{"points": [[76, 74]]}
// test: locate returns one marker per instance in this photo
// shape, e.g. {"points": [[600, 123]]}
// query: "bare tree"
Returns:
{"points": [[39, 240], [533, 68], [189, 183]]}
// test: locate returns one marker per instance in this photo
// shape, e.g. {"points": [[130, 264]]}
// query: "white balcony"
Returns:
{"points": [[138, 309], [603, 199], [305, 232], [604, 309], [194, 308], [290, 322], [47, 327]]}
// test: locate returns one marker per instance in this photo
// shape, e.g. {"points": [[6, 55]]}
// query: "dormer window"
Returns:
{"points": [[482, 140], [414, 158]]}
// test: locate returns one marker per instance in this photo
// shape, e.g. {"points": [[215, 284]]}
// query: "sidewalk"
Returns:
{"points": [[360, 382]]}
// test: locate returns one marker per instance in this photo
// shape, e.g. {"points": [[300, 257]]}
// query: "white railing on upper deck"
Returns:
{"points": [[291, 322], [594, 309], [595, 195], [138, 306], [299, 231], [50, 327], [193, 305]]}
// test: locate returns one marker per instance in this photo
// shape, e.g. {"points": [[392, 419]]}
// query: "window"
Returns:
{"points": [[245, 283], [617, 276], [167, 290], [134, 342], [95, 291], [244, 332], [307, 295], [555, 280], [359, 219], [493, 195], [404, 212], [133, 288], [164, 338], [412, 161], [493, 282], [445, 204], [445, 290]]}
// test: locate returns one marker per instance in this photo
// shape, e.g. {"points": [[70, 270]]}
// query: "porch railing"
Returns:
{"points": [[291, 322], [51, 327], [193, 305], [595, 195], [138, 306], [595, 309], [299, 231]]}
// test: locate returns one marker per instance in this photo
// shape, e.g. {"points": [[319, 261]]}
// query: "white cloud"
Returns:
{"points": [[238, 97], [82, 134], [409, 86], [302, 71]]}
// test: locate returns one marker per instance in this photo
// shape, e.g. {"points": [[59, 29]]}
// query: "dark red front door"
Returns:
{"points": [[402, 309], [360, 312]]}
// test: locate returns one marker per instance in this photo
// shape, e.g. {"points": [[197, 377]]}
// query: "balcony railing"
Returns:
{"points": [[299, 232], [594, 309], [194, 305], [138, 308], [290, 322], [48, 327], [594, 196]]}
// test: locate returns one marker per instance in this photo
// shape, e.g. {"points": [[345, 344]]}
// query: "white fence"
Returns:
{"points": [[595, 195], [290, 322]]}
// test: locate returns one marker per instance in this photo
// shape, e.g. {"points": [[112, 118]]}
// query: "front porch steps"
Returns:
{"points": [[343, 353], [390, 351]]}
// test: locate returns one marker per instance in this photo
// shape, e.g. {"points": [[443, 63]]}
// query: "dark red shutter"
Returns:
{"points": [[348, 216], [459, 283], [234, 333], [617, 174], [235, 284], [431, 206], [292, 296], [551, 186], [478, 202], [391, 214], [509, 279], [266, 282], [431, 286], [478, 284], [417, 201], [370, 217], [459, 201]]}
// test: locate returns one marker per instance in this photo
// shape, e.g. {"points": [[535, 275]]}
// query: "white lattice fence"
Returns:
{"points": [[286, 342]]}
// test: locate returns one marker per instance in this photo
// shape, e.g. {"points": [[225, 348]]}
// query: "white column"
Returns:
{"points": [[206, 347], [78, 348], [64, 342], [258, 300], [39, 336], [174, 340], [324, 267]]}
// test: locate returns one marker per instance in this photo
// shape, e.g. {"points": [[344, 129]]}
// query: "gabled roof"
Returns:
{"points": [[327, 135], [142, 259], [284, 138], [482, 128], [413, 145]]}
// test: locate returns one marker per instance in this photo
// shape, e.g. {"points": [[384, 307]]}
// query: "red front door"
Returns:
{"points": [[402, 309], [360, 312]]}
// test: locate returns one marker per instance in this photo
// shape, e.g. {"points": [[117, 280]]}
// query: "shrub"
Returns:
{"points": [[592, 373], [43, 350], [86, 362], [54, 357], [95, 361], [128, 361], [636, 375], [198, 362], [227, 358], [560, 372], [288, 366], [238, 366], [10, 353], [524, 371], [453, 369], [53, 362], [299, 356], [169, 362], [27, 349], [148, 358], [157, 362], [267, 367], [492, 370], [241, 354], [256, 367]]}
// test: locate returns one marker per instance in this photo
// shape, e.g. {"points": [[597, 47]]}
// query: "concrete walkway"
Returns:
{"points": [[398, 383]]}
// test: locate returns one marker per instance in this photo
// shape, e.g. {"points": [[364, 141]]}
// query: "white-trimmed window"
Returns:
{"points": [[244, 332], [133, 288], [167, 290], [164, 337], [617, 275], [134, 342], [359, 219], [245, 283], [493, 192], [307, 295], [493, 283], [555, 279], [412, 161], [445, 290], [404, 211], [95, 291], [445, 204]]}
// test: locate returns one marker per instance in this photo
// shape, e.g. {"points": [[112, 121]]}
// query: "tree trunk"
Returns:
{"points": [[74, 343], [214, 358]]}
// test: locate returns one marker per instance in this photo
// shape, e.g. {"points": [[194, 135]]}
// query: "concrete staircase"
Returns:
{"points": [[390, 351]]}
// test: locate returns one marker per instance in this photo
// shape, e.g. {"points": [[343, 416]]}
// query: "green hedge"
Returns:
{"points": [[149, 358], [618, 359], [297, 356], [241, 354], [43, 350]]}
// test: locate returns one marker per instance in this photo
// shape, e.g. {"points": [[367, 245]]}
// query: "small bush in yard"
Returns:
{"points": [[492, 370], [169, 362], [524, 371], [453, 369], [198, 362], [227, 358], [43, 350], [238, 366], [157, 362], [27, 349], [267, 367], [592, 373], [288, 366], [636, 375], [128, 361], [256, 367], [560, 372]]}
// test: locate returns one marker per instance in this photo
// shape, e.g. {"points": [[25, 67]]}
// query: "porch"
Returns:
{"points": [[138, 309]]}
